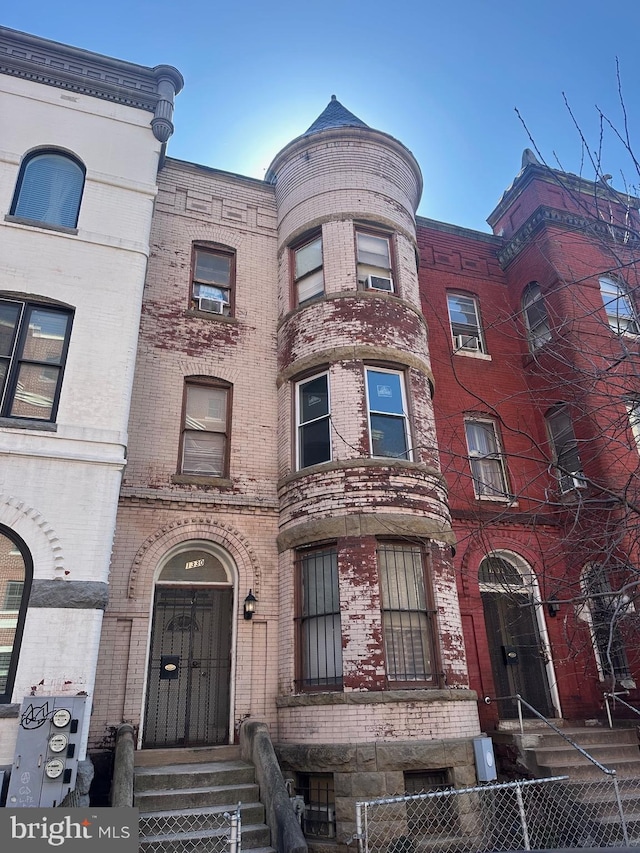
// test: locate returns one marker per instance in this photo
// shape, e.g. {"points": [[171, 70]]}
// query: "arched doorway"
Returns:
{"points": [[189, 672], [520, 654]]}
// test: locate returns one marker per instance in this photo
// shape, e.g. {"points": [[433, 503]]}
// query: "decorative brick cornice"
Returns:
{"points": [[52, 64], [569, 221]]}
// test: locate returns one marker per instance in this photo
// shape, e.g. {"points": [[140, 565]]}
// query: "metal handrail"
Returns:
{"points": [[488, 700], [616, 698], [608, 770]]}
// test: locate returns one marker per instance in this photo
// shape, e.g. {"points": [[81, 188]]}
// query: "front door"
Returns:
{"points": [[189, 667], [517, 654]]}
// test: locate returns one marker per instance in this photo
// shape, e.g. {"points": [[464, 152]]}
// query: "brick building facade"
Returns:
{"points": [[332, 398], [378, 466]]}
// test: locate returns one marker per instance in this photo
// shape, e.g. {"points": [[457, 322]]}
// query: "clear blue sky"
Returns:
{"points": [[443, 77]]}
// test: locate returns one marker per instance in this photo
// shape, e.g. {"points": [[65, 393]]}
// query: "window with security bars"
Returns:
{"points": [[49, 189], [205, 438], [407, 621], [319, 817], [606, 610], [320, 636]]}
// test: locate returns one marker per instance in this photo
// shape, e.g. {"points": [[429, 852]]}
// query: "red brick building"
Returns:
{"points": [[534, 348]]}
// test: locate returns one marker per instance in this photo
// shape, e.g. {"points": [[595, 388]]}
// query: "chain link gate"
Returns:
{"points": [[201, 832], [526, 815]]}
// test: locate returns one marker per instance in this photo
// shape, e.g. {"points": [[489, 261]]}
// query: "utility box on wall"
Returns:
{"points": [[485, 759], [46, 760]]}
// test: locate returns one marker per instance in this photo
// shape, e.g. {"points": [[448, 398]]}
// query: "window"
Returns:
{"points": [[205, 431], [307, 271], [486, 459], [605, 609], [388, 422], [465, 323], [33, 347], [374, 261], [213, 281], [15, 584], [617, 303], [313, 419], [49, 189], [319, 623], [565, 450], [319, 816], [406, 621], [535, 316], [426, 816], [13, 595]]}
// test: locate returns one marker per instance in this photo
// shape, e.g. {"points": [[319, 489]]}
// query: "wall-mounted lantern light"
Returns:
{"points": [[553, 606], [250, 605]]}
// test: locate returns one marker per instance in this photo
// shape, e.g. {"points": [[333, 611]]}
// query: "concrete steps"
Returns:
{"points": [[183, 795], [546, 753]]}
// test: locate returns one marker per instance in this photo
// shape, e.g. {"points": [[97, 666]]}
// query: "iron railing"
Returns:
{"points": [[553, 813], [617, 698]]}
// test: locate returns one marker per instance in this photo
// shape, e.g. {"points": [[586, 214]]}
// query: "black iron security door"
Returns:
{"points": [[517, 657], [189, 669]]}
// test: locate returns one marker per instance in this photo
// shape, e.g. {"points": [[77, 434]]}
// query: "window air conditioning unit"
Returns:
{"points": [[379, 282], [213, 306], [569, 482], [467, 342], [319, 821]]}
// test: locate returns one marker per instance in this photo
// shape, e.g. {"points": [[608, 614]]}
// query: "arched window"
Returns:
{"points": [[535, 316], [16, 571], [49, 189], [617, 303], [604, 613]]}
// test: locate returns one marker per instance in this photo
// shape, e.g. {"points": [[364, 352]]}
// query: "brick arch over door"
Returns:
{"points": [[145, 563]]}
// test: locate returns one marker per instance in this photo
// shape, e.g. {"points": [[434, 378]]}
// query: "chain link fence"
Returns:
{"points": [[528, 815], [191, 832]]}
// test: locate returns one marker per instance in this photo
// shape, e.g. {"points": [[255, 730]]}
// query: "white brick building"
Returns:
{"points": [[82, 137]]}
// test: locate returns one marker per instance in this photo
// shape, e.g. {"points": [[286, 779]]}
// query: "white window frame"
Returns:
{"points": [[205, 427], [213, 297], [536, 323], [312, 277], [633, 410], [615, 295], [300, 425], [368, 271], [483, 489], [463, 334], [403, 416]]}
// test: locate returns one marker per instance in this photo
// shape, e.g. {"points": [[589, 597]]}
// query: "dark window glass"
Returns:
{"points": [[33, 348]]}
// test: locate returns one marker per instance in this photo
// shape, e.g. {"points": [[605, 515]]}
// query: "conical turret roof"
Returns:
{"points": [[334, 115]]}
